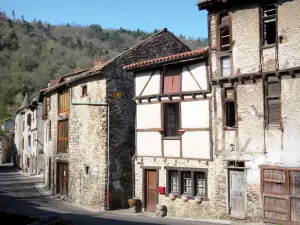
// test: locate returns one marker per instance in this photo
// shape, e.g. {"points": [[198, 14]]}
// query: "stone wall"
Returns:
{"points": [[213, 207]]}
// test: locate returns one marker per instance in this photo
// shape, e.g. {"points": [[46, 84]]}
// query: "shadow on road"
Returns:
{"points": [[25, 199]]}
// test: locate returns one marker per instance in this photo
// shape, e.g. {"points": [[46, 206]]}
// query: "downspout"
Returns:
{"points": [[133, 175], [108, 139]]}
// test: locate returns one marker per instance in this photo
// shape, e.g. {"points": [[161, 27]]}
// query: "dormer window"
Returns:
{"points": [[269, 17]]}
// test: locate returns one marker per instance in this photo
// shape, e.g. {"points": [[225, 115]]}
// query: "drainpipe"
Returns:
{"points": [[108, 146], [133, 175]]}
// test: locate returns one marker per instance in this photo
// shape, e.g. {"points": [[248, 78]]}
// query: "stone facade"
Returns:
{"points": [[87, 153]]}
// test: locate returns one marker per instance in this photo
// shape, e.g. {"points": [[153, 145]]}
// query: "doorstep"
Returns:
{"points": [[151, 214]]}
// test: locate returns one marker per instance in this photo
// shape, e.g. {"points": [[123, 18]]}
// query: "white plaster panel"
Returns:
{"points": [[290, 114], [195, 114], [148, 116], [245, 34], [251, 117], [198, 70], [153, 86], [196, 145], [141, 79], [273, 140], [172, 148], [288, 28], [149, 144]]}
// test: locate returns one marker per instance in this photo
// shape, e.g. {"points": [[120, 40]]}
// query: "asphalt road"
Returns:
{"points": [[19, 194]]}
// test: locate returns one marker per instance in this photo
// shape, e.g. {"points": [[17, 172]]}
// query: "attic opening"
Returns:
{"points": [[269, 23]]}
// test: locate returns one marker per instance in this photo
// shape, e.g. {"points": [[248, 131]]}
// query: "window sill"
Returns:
{"points": [[171, 138], [268, 46], [82, 96], [191, 197], [230, 128], [273, 127]]}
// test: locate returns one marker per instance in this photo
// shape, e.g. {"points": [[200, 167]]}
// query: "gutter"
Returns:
{"points": [[108, 139]]}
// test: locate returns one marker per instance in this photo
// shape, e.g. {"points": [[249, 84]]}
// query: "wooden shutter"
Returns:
{"points": [[45, 109], [172, 80], [273, 101]]}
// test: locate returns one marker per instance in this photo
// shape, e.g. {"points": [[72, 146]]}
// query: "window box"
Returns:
{"points": [[172, 196]]}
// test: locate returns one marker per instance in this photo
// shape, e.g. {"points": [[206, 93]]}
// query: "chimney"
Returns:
{"points": [[98, 62]]}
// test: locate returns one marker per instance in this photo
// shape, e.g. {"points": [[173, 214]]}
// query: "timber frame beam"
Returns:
{"points": [[245, 78]]}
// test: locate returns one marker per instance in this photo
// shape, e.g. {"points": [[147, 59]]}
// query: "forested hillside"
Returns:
{"points": [[32, 53]]}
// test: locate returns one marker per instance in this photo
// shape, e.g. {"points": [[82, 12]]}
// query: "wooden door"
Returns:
{"points": [[62, 178], [151, 190], [237, 193], [49, 174], [295, 196]]}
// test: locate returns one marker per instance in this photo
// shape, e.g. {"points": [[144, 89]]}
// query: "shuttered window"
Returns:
{"points": [[272, 102], [63, 136], [172, 80], [64, 101], [224, 30], [171, 120]]}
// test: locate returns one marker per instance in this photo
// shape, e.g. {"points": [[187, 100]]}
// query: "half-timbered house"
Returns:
{"points": [[173, 164], [255, 69]]}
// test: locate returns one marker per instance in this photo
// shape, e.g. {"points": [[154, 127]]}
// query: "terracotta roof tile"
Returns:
{"points": [[184, 55]]}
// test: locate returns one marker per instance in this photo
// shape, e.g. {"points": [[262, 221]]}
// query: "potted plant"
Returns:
{"points": [[172, 196], [185, 198], [160, 130], [198, 200], [181, 132]]}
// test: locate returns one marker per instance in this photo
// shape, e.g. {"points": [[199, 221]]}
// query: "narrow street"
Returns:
{"points": [[19, 194]]}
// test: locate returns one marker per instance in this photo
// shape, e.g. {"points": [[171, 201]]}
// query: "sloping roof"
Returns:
{"points": [[167, 59], [98, 68], [203, 4]]}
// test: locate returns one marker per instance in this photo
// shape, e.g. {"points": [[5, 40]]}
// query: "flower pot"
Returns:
{"points": [[181, 132], [133, 202], [172, 196], [161, 131], [185, 198], [199, 200]]}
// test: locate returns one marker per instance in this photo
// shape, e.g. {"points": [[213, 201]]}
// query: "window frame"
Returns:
{"points": [[177, 120], [262, 23], [268, 97], [226, 100], [165, 74], [84, 91], [49, 130], [180, 171], [63, 97], [219, 27], [61, 139]]}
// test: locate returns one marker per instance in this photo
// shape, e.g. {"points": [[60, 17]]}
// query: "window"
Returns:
{"points": [[171, 120], [29, 141], [63, 136], [87, 170], [63, 101], [200, 183], [23, 143], [29, 119], [174, 181], [224, 32], [225, 66], [23, 125], [172, 80], [272, 102], [229, 108], [84, 90], [49, 131], [269, 17], [186, 181]]}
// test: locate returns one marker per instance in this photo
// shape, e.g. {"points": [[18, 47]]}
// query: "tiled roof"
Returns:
{"points": [[203, 4], [171, 58]]}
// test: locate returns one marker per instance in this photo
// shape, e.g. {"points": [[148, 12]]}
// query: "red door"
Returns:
{"points": [[151, 190]]}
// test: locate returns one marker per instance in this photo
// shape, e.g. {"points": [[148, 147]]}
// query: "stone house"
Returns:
{"points": [[173, 158], [89, 127], [255, 68], [29, 131]]}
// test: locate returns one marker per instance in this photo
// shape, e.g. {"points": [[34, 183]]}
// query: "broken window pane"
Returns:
{"points": [[225, 66], [230, 114], [270, 10]]}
